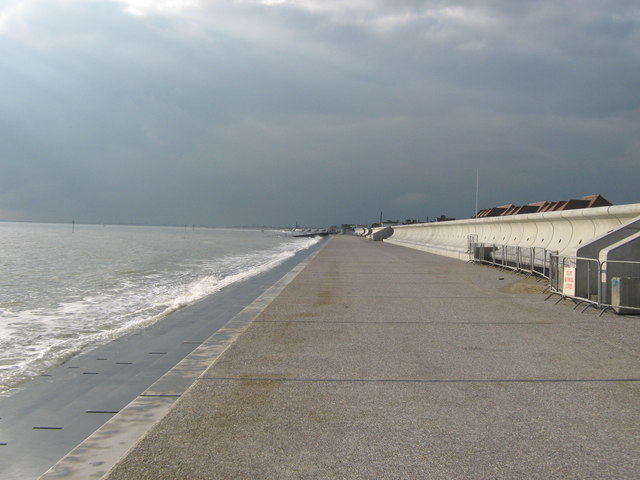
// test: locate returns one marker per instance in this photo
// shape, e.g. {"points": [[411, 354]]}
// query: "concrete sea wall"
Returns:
{"points": [[563, 232]]}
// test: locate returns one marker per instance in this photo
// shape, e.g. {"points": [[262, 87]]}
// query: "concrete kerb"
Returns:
{"points": [[94, 457]]}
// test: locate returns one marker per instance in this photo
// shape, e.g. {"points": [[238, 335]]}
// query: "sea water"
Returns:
{"points": [[64, 289]]}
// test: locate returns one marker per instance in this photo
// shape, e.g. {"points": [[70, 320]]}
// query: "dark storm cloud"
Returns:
{"points": [[223, 112]]}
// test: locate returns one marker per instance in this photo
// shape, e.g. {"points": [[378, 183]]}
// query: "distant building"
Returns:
{"points": [[589, 201]]}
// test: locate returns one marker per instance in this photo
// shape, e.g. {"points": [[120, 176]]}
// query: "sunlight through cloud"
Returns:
{"points": [[144, 7], [10, 13]]}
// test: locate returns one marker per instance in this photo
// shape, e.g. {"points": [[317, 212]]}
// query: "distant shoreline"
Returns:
{"points": [[235, 227]]}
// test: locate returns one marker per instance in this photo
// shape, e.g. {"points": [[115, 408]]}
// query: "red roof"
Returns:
{"points": [[590, 201]]}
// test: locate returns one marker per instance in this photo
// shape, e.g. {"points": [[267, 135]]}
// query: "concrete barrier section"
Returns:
{"points": [[563, 231]]}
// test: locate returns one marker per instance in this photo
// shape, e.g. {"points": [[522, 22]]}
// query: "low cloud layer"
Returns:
{"points": [[322, 112]]}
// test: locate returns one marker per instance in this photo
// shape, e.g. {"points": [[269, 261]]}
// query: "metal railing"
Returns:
{"points": [[530, 260], [593, 279], [576, 278], [622, 270], [586, 281]]}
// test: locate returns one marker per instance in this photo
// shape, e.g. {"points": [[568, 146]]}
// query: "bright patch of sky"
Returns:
{"points": [[145, 7]]}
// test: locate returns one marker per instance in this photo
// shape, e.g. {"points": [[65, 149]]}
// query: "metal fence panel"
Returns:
{"points": [[585, 280]]}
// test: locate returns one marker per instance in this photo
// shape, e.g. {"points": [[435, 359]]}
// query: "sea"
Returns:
{"points": [[65, 289]]}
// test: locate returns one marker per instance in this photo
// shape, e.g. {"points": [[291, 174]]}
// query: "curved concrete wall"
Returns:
{"points": [[379, 234], [563, 231]]}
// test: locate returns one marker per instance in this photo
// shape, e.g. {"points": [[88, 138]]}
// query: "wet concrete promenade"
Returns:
{"points": [[381, 362]]}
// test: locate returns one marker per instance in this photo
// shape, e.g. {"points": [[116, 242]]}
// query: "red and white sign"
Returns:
{"points": [[569, 285]]}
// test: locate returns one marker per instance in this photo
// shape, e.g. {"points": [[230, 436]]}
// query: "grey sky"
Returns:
{"points": [[227, 112]]}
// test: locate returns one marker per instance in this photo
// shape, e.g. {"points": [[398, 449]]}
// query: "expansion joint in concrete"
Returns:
{"points": [[419, 380]]}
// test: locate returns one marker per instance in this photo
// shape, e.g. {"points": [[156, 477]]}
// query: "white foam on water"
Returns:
{"points": [[34, 340]]}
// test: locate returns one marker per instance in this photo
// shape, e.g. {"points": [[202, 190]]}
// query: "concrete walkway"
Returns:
{"points": [[381, 362]]}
